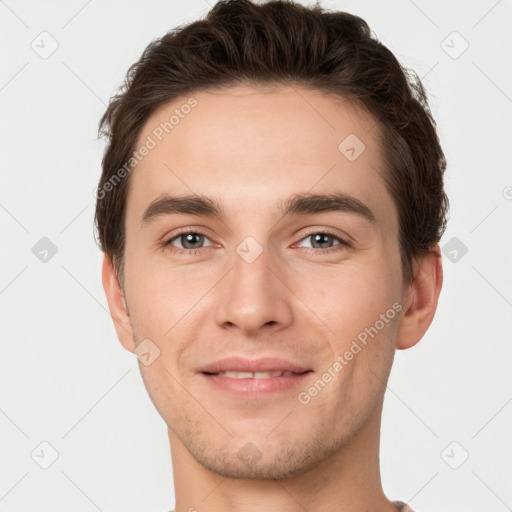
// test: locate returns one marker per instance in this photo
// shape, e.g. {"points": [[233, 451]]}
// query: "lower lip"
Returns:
{"points": [[254, 387]]}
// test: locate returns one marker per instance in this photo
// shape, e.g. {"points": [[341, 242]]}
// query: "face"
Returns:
{"points": [[257, 279]]}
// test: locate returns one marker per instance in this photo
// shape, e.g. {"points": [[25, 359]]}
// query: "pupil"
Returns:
{"points": [[318, 238], [189, 237]]}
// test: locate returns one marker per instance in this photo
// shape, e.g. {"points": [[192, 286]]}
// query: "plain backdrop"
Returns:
{"points": [[72, 399]]}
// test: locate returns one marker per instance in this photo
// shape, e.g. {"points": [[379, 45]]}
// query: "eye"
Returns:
{"points": [[190, 241], [322, 240]]}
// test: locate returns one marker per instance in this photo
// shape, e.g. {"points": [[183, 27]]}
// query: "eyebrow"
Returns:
{"points": [[296, 205]]}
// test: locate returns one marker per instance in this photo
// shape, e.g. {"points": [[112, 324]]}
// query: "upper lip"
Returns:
{"points": [[265, 364]]}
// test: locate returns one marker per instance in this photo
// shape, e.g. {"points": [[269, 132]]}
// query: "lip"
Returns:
{"points": [[246, 388], [265, 364]]}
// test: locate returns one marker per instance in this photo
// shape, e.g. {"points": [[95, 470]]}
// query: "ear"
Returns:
{"points": [[421, 299], [117, 305]]}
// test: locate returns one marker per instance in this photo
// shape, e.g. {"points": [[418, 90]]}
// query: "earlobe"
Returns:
{"points": [[117, 304], [422, 298]]}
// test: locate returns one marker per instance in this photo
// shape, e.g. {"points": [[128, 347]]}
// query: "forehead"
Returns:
{"points": [[253, 147]]}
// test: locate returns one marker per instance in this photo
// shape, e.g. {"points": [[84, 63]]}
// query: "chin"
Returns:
{"points": [[262, 459]]}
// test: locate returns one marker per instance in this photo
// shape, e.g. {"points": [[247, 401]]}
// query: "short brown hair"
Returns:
{"points": [[280, 42]]}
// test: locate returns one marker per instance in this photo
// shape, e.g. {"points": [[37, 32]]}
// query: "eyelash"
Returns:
{"points": [[192, 252]]}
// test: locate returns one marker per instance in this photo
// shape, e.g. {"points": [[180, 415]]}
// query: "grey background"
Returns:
{"points": [[65, 379]]}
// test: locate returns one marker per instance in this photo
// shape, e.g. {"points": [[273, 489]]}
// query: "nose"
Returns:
{"points": [[254, 295]]}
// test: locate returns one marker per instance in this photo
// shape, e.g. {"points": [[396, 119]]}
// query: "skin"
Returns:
{"points": [[250, 149]]}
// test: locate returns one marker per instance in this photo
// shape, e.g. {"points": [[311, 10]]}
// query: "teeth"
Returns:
{"points": [[255, 375]]}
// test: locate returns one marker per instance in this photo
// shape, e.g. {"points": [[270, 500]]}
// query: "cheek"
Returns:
{"points": [[371, 336], [161, 388], [353, 298], [151, 319], [152, 300], [359, 311]]}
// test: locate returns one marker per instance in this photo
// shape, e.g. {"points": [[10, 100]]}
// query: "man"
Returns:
{"points": [[270, 209]]}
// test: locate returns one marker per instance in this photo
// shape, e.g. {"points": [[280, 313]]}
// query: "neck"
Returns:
{"points": [[349, 480]]}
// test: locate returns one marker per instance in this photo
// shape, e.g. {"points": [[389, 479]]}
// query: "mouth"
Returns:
{"points": [[256, 375], [264, 366], [245, 378]]}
